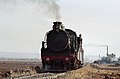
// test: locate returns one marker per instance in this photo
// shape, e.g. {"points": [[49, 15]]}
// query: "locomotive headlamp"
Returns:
{"points": [[66, 58], [47, 59]]}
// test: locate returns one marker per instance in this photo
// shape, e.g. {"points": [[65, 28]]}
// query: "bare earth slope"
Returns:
{"points": [[93, 72]]}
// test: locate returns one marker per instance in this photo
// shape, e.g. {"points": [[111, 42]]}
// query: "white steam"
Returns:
{"points": [[23, 23], [49, 8], [52, 8]]}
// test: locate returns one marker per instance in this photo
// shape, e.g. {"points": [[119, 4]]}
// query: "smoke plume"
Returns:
{"points": [[52, 9], [49, 8]]}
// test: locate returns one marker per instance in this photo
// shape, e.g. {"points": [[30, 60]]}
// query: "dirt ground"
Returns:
{"points": [[13, 69], [94, 72], [17, 68]]}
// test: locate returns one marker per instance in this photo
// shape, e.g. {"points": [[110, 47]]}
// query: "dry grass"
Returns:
{"points": [[89, 72], [14, 69]]}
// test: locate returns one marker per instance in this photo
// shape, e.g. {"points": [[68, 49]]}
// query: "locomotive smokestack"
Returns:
{"points": [[57, 25]]}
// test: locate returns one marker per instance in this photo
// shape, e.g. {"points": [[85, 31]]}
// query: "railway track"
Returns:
{"points": [[41, 76], [96, 66], [44, 75], [54, 75]]}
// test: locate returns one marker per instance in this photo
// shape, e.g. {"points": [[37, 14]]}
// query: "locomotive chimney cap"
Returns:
{"points": [[57, 22]]}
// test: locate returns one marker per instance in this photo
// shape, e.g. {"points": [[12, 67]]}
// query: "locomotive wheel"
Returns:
{"points": [[72, 64], [67, 66]]}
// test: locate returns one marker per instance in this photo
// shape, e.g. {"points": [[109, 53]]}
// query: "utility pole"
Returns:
{"points": [[107, 50]]}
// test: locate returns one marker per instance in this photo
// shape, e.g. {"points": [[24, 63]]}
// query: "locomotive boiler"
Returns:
{"points": [[61, 49]]}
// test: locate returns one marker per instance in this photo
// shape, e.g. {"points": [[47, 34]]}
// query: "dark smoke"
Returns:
{"points": [[50, 8]]}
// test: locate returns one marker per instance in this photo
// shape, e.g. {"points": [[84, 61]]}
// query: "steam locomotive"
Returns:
{"points": [[61, 49]]}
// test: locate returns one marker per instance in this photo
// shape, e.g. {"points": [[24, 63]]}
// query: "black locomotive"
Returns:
{"points": [[61, 49]]}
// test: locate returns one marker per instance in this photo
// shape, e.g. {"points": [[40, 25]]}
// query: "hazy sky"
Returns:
{"points": [[23, 24]]}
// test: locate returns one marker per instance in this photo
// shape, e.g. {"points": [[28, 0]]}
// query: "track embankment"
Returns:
{"points": [[92, 71]]}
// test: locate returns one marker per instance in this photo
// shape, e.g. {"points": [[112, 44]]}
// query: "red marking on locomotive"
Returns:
{"points": [[64, 58]]}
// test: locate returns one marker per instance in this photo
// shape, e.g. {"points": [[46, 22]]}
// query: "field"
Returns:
{"points": [[91, 71], [14, 68], [19, 69]]}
